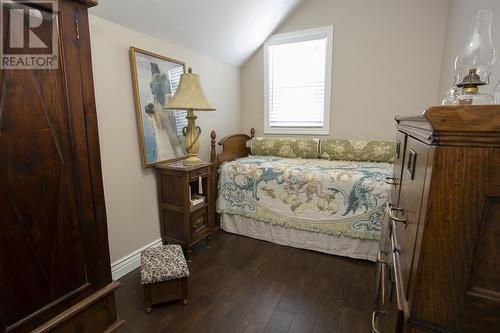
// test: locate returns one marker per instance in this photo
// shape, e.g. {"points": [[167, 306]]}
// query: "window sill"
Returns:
{"points": [[297, 131]]}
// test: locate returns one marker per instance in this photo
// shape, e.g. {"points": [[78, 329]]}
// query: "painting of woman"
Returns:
{"points": [[155, 79]]}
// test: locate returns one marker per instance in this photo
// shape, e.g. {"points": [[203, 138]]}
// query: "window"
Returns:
{"points": [[297, 81], [174, 76]]}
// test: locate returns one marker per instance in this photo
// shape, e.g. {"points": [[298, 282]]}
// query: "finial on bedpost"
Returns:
{"points": [[213, 153], [252, 132]]}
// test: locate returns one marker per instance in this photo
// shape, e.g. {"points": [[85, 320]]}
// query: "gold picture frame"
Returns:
{"points": [[154, 80]]}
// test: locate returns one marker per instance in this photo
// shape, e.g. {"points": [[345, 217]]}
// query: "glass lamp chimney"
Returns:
{"points": [[478, 54]]}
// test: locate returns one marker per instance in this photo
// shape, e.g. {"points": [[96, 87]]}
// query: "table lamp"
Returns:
{"points": [[189, 96]]}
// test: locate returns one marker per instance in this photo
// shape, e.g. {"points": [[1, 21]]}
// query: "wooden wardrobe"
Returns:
{"points": [[54, 256]]}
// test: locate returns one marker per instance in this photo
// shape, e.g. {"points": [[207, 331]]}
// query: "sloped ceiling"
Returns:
{"points": [[230, 30]]}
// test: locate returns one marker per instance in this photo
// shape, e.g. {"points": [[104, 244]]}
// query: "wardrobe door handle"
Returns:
{"points": [[411, 164], [374, 320]]}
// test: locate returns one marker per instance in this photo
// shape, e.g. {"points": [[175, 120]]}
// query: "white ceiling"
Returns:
{"points": [[230, 30]]}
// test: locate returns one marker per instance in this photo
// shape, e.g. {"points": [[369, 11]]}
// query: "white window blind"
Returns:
{"points": [[298, 67], [174, 75]]}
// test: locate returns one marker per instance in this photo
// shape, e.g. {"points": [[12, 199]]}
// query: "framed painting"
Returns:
{"points": [[155, 79]]}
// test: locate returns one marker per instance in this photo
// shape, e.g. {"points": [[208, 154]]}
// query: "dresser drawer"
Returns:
{"points": [[382, 270], [401, 300], [388, 316]]}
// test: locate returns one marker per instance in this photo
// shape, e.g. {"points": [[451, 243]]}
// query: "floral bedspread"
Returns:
{"points": [[332, 197]]}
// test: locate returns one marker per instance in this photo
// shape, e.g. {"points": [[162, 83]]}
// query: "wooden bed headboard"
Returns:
{"points": [[233, 147]]}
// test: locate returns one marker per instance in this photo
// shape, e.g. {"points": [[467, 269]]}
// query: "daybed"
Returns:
{"points": [[325, 195]]}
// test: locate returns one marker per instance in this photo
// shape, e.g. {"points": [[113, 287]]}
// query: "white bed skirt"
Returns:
{"points": [[342, 246]]}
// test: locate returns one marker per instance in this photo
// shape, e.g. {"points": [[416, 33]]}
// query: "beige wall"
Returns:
{"points": [[456, 36], [386, 61], [130, 190]]}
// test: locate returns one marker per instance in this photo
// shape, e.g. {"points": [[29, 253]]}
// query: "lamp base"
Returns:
{"points": [[192, 134], [192, 160]]}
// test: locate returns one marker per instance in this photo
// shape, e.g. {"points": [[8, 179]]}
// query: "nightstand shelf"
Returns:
{"points": [[198, 207], [181, 222]]}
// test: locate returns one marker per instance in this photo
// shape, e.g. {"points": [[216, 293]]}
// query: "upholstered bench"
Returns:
{"points": [[164, 275]]}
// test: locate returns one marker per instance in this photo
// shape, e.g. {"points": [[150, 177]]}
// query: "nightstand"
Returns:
{"points": [[181, 221]]}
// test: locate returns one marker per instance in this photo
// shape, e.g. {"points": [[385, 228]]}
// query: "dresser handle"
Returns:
{"points": [[391, 181], [383, 273], [403, 220], [399, 209], [374, 320], [379, 256], [394, 242]]}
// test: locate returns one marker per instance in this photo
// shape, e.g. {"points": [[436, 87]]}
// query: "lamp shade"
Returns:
{"points": [[189, 94]]}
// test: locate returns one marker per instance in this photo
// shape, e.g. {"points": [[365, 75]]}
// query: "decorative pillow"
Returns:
{"points": [[285, 147], [357, 150]]}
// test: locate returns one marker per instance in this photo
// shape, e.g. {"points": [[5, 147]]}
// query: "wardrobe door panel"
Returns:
{"points": [[49, 256]]}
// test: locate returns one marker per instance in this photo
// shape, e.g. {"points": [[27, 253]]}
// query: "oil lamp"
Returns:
{"points": [[474, 63]]}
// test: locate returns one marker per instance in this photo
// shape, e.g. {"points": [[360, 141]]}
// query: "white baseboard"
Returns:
{"points": [[127, 264]]}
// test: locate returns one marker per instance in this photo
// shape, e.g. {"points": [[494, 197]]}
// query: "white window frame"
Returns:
{"points": [[300, 36]]}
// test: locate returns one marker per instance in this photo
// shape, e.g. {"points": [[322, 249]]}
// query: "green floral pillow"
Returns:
{"points": [[285, 147], [357, 150]]}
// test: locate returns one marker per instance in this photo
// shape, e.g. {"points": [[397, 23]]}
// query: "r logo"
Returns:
{"points": [[31, 34], [17, 27]]}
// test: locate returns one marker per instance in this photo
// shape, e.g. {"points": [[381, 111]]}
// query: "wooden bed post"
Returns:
{"points": [[213, 152], [213, 181]]}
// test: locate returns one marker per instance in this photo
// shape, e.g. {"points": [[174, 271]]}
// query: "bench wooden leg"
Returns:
{"points": [[148, 306], [185, 291]]}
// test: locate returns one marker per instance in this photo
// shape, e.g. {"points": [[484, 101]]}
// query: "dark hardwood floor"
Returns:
{"points": [[246, 285]]}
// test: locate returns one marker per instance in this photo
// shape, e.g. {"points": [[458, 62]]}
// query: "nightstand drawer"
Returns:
{"points": [[195, 174], [199, 224]]}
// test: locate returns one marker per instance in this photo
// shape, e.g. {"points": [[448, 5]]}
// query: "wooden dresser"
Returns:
{"points": [[55, 270], [439, 263]]}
